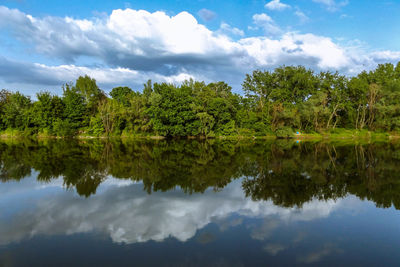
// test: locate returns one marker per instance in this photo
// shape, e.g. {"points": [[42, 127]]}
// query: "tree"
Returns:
{"points": [[207, 123], [108, 112], [48, 109], [75, 106], [4, 96], [171, 111], [16, 111], [91, 93], [122, 95]]}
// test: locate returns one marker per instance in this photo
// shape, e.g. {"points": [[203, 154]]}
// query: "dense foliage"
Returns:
{"points": [[275, 102]]}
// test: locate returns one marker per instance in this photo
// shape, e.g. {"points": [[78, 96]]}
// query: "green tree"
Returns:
{"points": [[48, 109], [75, 110], [122, 95], [171, 110], [91, 93], [16, 111]]}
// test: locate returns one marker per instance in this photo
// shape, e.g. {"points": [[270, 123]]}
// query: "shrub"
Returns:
{"points": [[284, 132], [96, 127], [64, 128]]}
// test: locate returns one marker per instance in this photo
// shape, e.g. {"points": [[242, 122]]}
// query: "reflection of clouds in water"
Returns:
{"points": [[205, 238], [127, 214], [12, 188], [300, 236], [226, 224], [265, 230], [30, 184], [274, 249], [310, 211], [319, 254]]}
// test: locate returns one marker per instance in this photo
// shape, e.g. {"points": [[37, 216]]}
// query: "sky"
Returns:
{"points": [[45, 44]]}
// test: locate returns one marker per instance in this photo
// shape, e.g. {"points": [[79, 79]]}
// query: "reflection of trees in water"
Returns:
{"points": [[291, 177], [283, 172]]}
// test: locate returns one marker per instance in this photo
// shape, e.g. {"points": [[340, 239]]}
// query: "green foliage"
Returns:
{"points": [[207, 122], [91, 93], [96, 127], [171, 112], [228, 129], [4, 97], [47, 109], [284, 132], [15, 111], [75, 107], [122, 95], [64, 128], [275, 102], [260, 128]]}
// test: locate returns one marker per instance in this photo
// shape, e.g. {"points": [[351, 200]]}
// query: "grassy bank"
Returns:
{"points": [[344, 134], [336, 134]]}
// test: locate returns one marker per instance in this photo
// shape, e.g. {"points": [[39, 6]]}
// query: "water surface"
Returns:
{"points": [[191, 203]]}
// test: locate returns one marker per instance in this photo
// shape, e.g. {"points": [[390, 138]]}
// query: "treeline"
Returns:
{"points": [[275, 103]]}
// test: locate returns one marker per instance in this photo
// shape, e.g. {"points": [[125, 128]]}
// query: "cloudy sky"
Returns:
{"points": [[44, 44]]}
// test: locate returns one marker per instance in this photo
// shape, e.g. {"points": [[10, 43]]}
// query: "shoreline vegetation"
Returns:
{"points": [[342, 134], [290, 102]]}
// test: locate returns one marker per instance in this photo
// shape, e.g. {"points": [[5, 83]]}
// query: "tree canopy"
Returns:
{"points": [[287, 99]]}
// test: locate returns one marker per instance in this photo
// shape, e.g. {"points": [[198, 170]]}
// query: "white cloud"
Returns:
{"points": [[292, 48], [41, 74], [206, 14], [332, 5], [262, 18], [131, 46], [386, 56], [302, 17], [267, 23], [226, 28], [276, 5]]}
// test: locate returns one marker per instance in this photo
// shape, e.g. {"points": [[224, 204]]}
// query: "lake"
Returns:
{"points": [[198, 203]]}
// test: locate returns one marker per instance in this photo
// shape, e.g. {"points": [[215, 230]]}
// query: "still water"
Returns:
{"points": [[191, 203]]}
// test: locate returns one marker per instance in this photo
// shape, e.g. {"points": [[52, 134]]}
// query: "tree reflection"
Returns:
{"points": [[286, 173]]}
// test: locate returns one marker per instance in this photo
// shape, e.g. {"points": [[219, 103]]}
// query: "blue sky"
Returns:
{"points": [[44, 43]]}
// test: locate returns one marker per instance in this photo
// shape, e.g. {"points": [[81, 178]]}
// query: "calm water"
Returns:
{"points": [[190, 203]]}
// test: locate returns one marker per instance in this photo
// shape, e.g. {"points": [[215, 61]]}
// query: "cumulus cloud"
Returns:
{"points": [[127, 214], [302, 17], [385, 56], [267, 23], [226, 28], [276, 5], [332, 5], [40, 74], [134, 45], [206, 14]]}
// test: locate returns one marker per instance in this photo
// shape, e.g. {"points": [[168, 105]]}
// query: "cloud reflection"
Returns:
{"points": [[127, 214]]}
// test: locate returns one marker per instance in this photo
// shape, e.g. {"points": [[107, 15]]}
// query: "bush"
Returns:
{"points": [[261, 129], [284, 132], [228, 129], [246, 132], [96, 127], [64, 128]]}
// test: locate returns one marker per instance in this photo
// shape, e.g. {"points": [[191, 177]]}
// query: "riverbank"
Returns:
{"points": [[337, 134]]}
